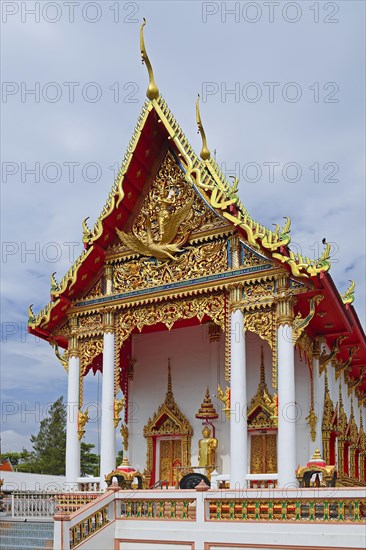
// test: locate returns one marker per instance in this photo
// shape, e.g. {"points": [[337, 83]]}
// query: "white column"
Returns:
{"points": [[287, 410], [108, 433], [72, 439], [318, 382], [238, 404]]}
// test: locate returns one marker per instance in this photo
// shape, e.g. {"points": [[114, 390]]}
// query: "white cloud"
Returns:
{"points": [[242, 132], [13, 441]]}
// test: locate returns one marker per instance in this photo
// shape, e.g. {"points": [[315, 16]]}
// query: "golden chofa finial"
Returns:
{"points": [[152, 91], [54, 283], [87, 234], [205, 152], [349, 296], [31, 317]]}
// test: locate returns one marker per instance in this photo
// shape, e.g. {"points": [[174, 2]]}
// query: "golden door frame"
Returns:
{"points": [[263, 452], [167, 421]]}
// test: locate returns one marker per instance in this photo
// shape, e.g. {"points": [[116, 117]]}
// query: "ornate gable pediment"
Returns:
{"points": [[172, 215], [175, 236]]}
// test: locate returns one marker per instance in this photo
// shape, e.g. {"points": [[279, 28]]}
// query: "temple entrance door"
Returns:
{"points": [[170, 456], [263, 453]]}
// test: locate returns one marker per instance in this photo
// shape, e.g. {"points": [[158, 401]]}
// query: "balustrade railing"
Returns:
{"points": [[107, 516], [88, 526], [39, 504], [167, 509], [311, 510]]}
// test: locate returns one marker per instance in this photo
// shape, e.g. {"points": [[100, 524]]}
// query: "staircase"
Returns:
{"points": [[16, 535]]}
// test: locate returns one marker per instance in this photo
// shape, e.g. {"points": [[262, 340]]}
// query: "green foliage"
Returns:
{"points": [[119, 458], [89, 462], [17, 459], [49, 448], [49, 445]]}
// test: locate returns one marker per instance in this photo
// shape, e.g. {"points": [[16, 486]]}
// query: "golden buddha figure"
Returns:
{"points": [[207, 450]]}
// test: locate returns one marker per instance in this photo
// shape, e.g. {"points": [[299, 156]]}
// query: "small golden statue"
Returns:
{"points": [[118, 406], [124, 434], [225, 398], [83, 418], [207, 450]]}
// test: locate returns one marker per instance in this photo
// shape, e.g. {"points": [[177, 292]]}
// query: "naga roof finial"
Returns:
{"points": [[349, 296], [205, 152], [31, 316], [152, 91], [54, 283], [87, 234]]}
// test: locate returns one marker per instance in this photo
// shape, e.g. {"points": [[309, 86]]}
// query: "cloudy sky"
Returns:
{"points": [[282, 86]]}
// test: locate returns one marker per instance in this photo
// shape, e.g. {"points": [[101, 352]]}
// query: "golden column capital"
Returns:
{"points": [[108, 278], [235, 296], [73, 349], [317, 345], [284, 310], [235, 249], [108, 320], [283, 283], [284, 301]]}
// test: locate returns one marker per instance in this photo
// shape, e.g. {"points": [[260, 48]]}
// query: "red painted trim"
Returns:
{"points": [[332, 453], [357, 454], [153, 461], [346, 458]]}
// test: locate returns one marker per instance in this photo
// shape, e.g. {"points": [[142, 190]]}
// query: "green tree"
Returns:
{"points": [[17, 459], [49, 448], [119, 458], [49, 445], [89, 462]]}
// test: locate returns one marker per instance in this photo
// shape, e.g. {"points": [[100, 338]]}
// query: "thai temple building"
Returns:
{"points": [[232, 368]]}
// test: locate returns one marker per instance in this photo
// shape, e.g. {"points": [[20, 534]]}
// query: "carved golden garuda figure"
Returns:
{"points": [[160, 243], [207, 450]]}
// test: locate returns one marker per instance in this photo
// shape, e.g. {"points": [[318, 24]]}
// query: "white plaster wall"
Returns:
{"points": [[20, 481], [196, 363]]}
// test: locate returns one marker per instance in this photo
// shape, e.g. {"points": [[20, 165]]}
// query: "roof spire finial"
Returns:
{"points": [[326, 388], [205, 152], [152, 91], [170, 387], [263, 375], [340, 396]]}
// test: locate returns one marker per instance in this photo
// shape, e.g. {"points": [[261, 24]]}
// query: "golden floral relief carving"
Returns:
{"points": [[168, 313], [250, 258], [260, 323], [89, 350], [256, 294], [90, 325], [95, 291], [207, 258]]}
